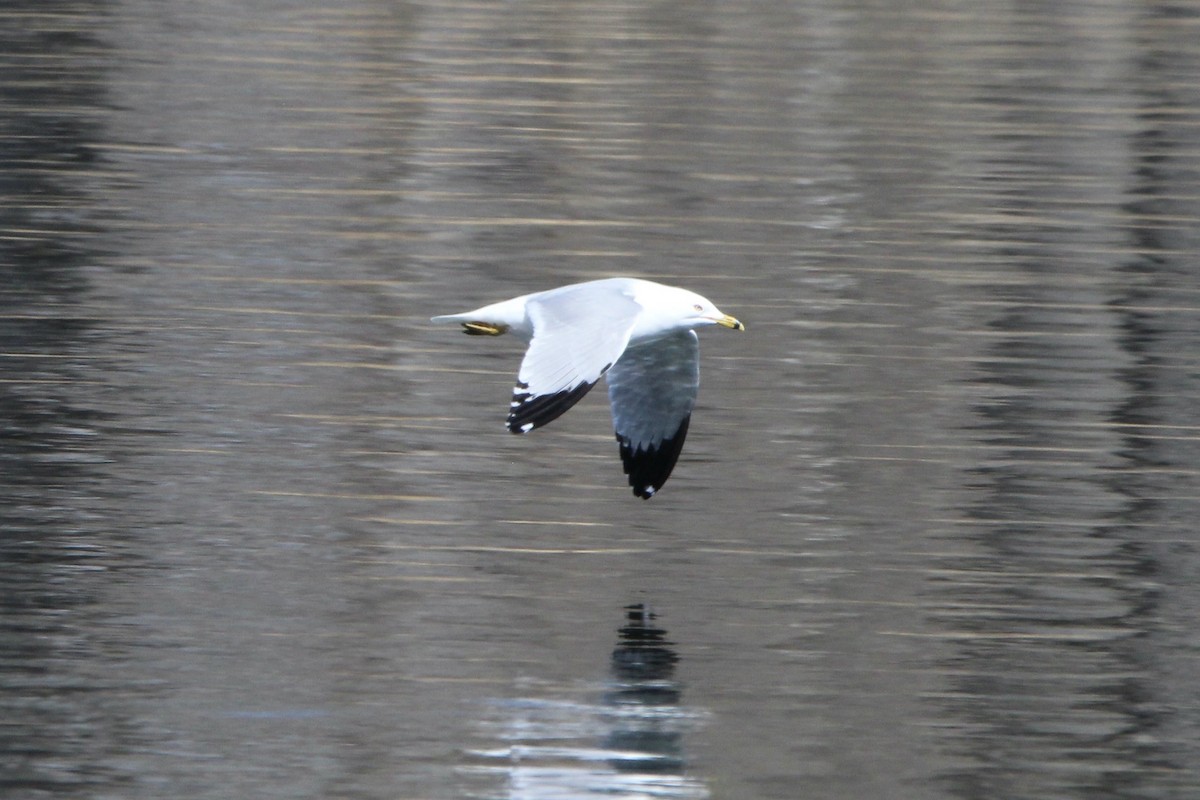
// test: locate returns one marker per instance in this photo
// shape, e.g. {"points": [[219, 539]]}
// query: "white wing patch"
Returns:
{"points": [[653, 389], [576, 339]]}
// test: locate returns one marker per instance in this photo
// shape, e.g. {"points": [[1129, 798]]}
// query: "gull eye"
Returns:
{"points": [[698, 307]]}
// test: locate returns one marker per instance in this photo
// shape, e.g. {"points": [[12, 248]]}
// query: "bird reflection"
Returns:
{"points": [[627, 745], [643, 666]]}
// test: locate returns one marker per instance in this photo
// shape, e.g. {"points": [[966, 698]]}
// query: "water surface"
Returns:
{"points": [[263, 534]]}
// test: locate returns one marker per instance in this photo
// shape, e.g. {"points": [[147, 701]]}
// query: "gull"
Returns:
{"points": [[637, 334]]}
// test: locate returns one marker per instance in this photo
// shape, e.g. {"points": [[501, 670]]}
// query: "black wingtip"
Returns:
{"points": [[649, 467], [529, 412]]}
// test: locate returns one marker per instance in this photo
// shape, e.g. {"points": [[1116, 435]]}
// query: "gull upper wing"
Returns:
{"points": [[577, 337], [652, 389]]}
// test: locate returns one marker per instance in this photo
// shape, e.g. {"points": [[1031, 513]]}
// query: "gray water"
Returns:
{"points": [[932, 535]]}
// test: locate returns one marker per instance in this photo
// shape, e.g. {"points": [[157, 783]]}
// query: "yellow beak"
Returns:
{"points": [[729, 322]]}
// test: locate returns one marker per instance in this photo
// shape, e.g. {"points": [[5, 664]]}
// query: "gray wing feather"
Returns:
{"points": [[652, 389]]}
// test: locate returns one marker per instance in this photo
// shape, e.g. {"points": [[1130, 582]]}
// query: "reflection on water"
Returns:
{"points": [[643, 666], [943, 542], [1075, 387], [628, 745], [63, 729]]}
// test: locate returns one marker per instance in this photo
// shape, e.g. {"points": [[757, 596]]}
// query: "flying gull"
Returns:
{"points": [[636, 333]]}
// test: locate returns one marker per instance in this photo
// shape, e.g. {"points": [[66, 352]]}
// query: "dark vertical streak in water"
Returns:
{"points": [[57, 672], [1158, 419], [1057, 606]]}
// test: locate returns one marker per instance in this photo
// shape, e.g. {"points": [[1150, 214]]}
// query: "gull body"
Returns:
{"points": [[638, 334]]}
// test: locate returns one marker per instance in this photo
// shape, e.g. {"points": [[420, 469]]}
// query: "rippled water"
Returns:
{"points": [[262, 533]]}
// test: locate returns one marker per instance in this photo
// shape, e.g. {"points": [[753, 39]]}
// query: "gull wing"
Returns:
{"points": [[652, 389], [578, 334]]}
